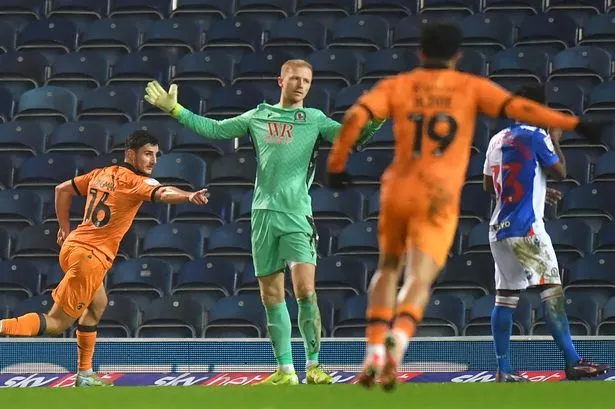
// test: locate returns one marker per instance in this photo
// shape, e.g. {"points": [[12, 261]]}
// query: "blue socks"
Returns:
{"points": [[557, 320], [501, 328]]}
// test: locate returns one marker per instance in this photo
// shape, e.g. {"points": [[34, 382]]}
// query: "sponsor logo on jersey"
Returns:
{"points": [[279, 133], [151, 182], [504, 225]]}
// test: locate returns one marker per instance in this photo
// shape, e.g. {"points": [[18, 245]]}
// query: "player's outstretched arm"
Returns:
{"points": [[231, 128], [64, 193], [174, 195], [330, 128]]}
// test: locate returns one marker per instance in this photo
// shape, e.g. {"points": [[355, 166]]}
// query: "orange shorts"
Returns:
{"points": [[84, 273], [414, 215]]}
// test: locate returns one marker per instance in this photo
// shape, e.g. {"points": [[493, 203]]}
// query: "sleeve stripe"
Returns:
{"points": [[153, 195], [504, 105], [72, 181]]}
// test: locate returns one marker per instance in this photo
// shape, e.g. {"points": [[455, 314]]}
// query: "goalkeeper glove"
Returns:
{"points": [[158, 97]]}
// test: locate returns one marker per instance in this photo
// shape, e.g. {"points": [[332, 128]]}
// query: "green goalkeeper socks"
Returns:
{"points": [[279, 327], [310, 326]]}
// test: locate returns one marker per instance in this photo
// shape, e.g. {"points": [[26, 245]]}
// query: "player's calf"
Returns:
{"points": [[36, 324], [501, 327]]}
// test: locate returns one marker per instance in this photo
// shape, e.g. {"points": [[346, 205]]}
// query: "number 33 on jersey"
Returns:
{"points": [[114, 196]]}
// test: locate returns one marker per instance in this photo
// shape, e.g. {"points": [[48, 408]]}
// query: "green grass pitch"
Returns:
{"points": [[553, 395]]}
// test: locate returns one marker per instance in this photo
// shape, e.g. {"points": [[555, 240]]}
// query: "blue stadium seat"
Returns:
{"points": [[128, 245], [475, 203], [583, 66], [5, 242], [232, 101], [39, 303], [141, 279], [479, 319], [7, 105], [203, 11], [565, 97], [359, 32], [50, 103], [45, 170], [32, 8], [49, 37], [326, 12], [20, 208], [345, 98], [266, 12], [247, 283], [186, 140], [12, 161], [473, 62], [407, 32], [390, 10], [359, 238], [382, 140], [158, 128], [36, 242], [158, 9], [443, 317], [172, 38], [487, 34], [244, 207], [591, 271], [78, 71], [234, 36], [261, 70], [607, 324], [471, 273], [519, 65], [578, 165], [79, 137], [182, 169], [297, 35], [334, 69], [218, 210], [53, 276], [372, 211], [341, 277], [331, 207], [482, 135], [101, 161], [478, 239], [172, 241], [76, 210], [19, 278], [605, 240], [552, 33], [351, 321], [80, 12], [239, 316], [231, 239], [120, 318], [216, 277], [111, 103], [171, 317], [591, 201], [390, 61], [325, 240], [367, 167], [233, 169], [601, 99], [111, 37], [474, 173], [598, 31], [139, 68], [318, 98], [579, 10], [570, 235], [204, 71], [582, 314], [23, 136], [21, 71], [448, 9]]}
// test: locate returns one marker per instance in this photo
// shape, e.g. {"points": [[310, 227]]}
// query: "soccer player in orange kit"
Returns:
{"points": [[434, 109], [114, 195]]}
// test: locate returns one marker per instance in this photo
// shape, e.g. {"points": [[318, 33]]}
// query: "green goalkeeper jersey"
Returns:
{"points": [[286, 143]]}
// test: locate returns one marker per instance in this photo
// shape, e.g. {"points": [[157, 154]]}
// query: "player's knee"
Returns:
{"points": [[97, 309], [57, 325]]}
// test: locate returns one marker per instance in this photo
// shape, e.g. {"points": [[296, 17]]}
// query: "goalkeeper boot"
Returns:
{"points": [[388, 376], [585, 369], [91, 380], [315, 375], [280, 378], [503, 377]]}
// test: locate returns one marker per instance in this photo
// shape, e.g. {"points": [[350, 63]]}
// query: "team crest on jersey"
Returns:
{"points": [[151, 182], [300, 116]]}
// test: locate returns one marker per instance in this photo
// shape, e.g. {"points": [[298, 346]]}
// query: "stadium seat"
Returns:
{"points": [[478, 239], [571, 239], [565, 97], [52, 104], [601, 99], [260, 70], [325, 240], [318, 98], [112, 104], [158, 9], [186, 140], [238, 316], [334, 69], [120, 318], [218, 210], [266, 12], [141, 279], [205, 11], [382, 140], [607, 325], [173, 241], [475, 203], [443, 317], [372, 211], [233, 169], [171, 317], [362, 33], [79, 71], [552, 33], [31, 8], [231, 239], [591, 201], [605, 240], [390, 10], [75, 214], [340, 277], [582, 66], [21, 71], [351, 321], [128, 245], [383, 63], [38, 304], [345, 98], [5, 243], [247, 283], [111, 37], [19, 278], [7, 105], [157, 128], [325, 12], [359, 240], [80, 12], [487, 34], [53, 276], [203, 71], [20, 208], [171, 38], [138, 68], [583, 313], [474, 173], [519, 65], [367, 167], [49, 37], [216, 277], [336, 208], [406, 32], [233, 100], [101, 161], [598, 31], [234, 37], [479, 319], [592, 271], [472, 274], [79, 137], [447, 9], [244, 207], [296, 35], [47, 169], [579, 10], [36, 242]]}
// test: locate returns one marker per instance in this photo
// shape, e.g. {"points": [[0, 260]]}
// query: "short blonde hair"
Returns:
{"points": [[295, 64]]}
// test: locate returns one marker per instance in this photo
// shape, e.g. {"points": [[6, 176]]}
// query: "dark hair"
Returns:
{"points": [[535, 92], [139, 139], [440, 40]]}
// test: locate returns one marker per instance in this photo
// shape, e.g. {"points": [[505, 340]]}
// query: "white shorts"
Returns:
{"points": [[522, 262]]}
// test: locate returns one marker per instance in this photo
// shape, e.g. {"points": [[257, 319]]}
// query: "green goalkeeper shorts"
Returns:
{"points": [[279, 238]]}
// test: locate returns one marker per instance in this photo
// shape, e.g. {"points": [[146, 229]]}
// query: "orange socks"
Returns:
{"points": [[86, 341], [29, 325], [406, 319], [378, 324]]}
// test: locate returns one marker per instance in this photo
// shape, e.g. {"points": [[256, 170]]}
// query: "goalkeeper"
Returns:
{"points": [[286, 138]]}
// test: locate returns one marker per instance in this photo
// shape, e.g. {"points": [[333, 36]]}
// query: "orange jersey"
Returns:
{"points": [[434, 112], [114, 195]]}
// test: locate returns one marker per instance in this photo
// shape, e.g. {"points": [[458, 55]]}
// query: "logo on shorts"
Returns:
{"points": [[80, 306]]}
